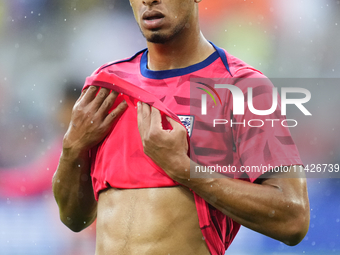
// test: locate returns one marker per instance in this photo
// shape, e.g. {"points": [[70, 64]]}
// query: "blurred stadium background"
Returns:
{"points": [[48, 47]]}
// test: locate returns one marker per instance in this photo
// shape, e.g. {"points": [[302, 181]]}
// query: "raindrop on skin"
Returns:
{"points": [[271, 214]]}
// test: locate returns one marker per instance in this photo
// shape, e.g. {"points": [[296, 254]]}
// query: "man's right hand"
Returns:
{"points": [[72, 185], [91, 120]]}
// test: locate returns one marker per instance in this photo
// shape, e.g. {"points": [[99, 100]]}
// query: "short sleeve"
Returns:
{"points": [[262, 142]]}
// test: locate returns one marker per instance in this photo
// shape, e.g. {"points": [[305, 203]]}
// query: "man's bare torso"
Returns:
{"points": [[148, 221]]}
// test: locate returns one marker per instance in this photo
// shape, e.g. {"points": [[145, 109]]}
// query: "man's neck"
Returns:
{"points": [[179, 53]]}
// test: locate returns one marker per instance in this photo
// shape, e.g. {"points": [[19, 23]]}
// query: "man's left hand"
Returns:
{"points": [[167, 148]]}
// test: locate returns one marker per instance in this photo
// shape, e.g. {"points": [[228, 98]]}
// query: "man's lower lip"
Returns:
{"points": [[153, 23]]}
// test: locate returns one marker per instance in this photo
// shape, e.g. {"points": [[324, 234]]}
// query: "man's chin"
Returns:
{"points": [[161, 37], [157, 38]]}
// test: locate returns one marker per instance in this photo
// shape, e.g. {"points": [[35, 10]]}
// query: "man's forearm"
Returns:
{"points": [[72, 188], [279, 211]]}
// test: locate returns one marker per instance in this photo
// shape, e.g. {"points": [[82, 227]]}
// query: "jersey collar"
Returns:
{"points": [[219, 53]]}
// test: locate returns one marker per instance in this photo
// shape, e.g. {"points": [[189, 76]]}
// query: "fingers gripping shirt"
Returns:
{"points": [[119, 161]]}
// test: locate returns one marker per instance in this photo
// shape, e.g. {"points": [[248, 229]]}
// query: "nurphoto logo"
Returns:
{"points": [[239, 104]]}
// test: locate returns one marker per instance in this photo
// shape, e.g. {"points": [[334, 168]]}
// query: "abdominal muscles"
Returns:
{"points": [[148, 221]]}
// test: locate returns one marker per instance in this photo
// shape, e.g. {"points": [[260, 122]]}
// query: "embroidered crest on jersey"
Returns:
{"points": [[188, 122]]}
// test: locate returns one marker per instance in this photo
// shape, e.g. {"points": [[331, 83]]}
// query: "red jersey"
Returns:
{"points": [[119, 160]]}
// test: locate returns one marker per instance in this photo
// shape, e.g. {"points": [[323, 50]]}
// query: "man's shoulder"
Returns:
{"points": [[241, 69], [244, 75], [117, 64]]}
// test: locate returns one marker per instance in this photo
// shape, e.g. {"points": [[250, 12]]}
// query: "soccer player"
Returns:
{"points": [[135, 179]]}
